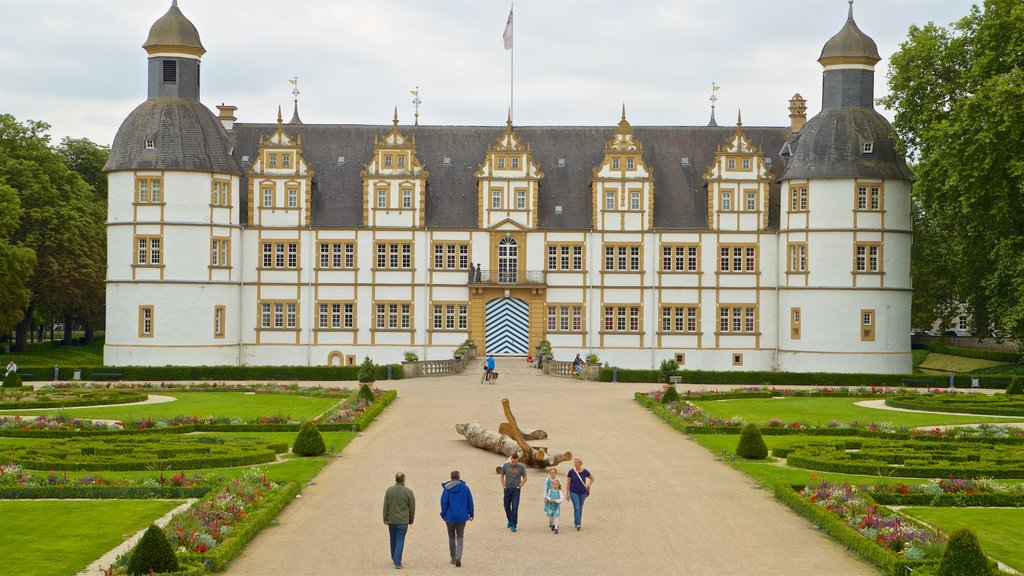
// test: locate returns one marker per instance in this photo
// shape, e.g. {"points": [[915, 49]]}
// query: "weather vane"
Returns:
{"points": [[295, 88], [416, 103], [714, 97]]}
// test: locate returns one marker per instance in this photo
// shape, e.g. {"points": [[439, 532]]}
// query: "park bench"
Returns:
{"points": [[675, 379], [917, 381], [26, 376], [107, 376]]}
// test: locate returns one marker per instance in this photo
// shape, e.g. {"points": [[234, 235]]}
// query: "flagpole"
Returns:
{"points": [[512, 69]]}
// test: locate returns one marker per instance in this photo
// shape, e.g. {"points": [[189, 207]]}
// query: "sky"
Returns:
{"points": [[79, 65]]}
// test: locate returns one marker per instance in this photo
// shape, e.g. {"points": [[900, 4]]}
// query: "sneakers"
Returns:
{"points": [[513, 528], [577, 527], [458, 563], [508, 524], [556, 530], [452, 561], [551, 526]]}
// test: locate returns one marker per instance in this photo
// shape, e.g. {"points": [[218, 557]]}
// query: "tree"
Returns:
{"points": [[957, 93], [16, 262], [87, 159]]}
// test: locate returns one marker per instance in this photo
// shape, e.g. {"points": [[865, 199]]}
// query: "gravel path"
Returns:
{"points": [[660, 504]]}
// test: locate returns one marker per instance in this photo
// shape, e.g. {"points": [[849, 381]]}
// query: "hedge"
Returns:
{"points": [[1000, 405], [896, 459], [218, 557], [807, 378], [103, 492], [100, 397], [949, 499], [996, 355], [196, 373], [370, 414]]}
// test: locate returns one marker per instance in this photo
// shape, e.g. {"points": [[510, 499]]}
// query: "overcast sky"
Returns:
{"points": [[79, 65]]}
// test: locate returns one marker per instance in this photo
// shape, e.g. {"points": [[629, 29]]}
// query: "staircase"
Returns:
{"points": [[512, 366]]}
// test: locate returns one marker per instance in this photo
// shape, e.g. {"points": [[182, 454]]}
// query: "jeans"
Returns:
{"points": [[397, 533], [511, 502], [577, 506], [455, 532]]}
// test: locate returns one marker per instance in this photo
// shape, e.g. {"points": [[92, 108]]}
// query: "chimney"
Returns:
{"points": [[227, 116], [797, 113]]}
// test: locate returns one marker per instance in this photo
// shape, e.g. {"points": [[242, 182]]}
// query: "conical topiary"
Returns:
{"points": [[1016, 386], [963, 556], [366, 394], [12, 380], [751, 444], [367, 371], [153, 553], [309, 442], [670, 395]]}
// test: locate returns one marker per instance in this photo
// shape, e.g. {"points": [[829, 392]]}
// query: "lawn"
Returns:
{"points": [[56, 538], [998, 529], [47, 354], [945, 363], [229, 404], [822, 410]]}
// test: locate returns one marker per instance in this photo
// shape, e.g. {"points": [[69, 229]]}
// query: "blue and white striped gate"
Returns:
{"points": [[507, 329]]}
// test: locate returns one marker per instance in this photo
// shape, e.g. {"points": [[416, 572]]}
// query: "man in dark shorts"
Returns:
{"points": [[513, 477]]}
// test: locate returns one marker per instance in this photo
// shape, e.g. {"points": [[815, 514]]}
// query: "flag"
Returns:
{"points": [[507, 36]]}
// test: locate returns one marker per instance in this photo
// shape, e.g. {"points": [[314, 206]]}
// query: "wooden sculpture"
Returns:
{"points": [[510, 440]]}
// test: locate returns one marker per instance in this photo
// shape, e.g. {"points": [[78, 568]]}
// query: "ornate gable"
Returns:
{"points": [[508, 183], [394, 182], [738, 183], [623, 184], [280, 179]]}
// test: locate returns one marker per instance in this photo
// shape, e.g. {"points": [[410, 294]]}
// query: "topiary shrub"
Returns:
{"points": [[751, 444], [367, 371], [963, 556], [366, 394], [309, 442], [670, 395], [153, 553], [12, 380], [668, 368], [410, 356], [1016, 386]]}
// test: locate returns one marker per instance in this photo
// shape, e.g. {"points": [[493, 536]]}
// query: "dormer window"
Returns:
{"points": [[501, 162], [447, 161], [401, 161], [869, 147], [286, 160], [150, 145], [515, 162], [561, 162], [170, 71], [272, 159], [615, 163], [731, 163], [630, 163], [746, 163], [387, 161]]}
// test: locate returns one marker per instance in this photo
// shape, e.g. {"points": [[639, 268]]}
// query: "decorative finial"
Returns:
{"points": [[713, 98], [850, 15], [623, 111], [416, 103], [295, 88], [508, 123], [394, 120], [739, 118], [279, 119]]}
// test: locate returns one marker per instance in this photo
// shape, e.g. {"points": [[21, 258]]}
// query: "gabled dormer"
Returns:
{"points": [[623, 184], [737, 185], [508, 184], [280, 181], [394, 182]]}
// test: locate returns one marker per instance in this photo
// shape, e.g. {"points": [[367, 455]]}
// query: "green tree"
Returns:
{"points": [[957, 94], [16, 262], [86, 158]]}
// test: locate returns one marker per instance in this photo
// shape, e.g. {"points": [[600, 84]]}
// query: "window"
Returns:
{"points": [[393, 316], [170, 71], [621, 318], [521, 199], [731, 162], [279, 315], [272, 160], [148, 190], [630, 163], [565, 257], [794, 323], [681, 358], [406, 198], [622, 258], [219, 313], [148, 251], [634, 200], [867, 325], [280, 255], [746, 163], [401, 161], [145, 321], [615, 163], [740, 258], [797, 258], [565, 318], [501, 162], [451, 256], [869, 147], [869, 197], [293, 197], [515, 162], [798, 199], [867, 257], [268, 197], [220, 193], [394, 255], [609, 200], [962, 323], [388, 160], [451, 316], [679, 258], [495, 199], [737, 319], [336, 315], [220, 252], [680, 319], [382, 197], [751, 200], [338, 255], [737, 359], [286, 160], [726, 204], [150, 144]]}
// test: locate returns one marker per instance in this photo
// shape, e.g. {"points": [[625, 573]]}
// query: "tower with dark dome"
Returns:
{"points": [[845, 227]]}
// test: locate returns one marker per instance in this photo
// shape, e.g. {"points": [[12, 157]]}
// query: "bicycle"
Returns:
{"points": [[489, 377]]}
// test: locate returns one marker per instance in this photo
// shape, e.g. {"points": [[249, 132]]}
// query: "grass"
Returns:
{"points": [[998, 529], [822, 410], [918, 356], [58, 538], [47, 354], [229, 404], [944, 363]]}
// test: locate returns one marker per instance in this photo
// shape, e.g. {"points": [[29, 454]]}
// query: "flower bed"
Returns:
{"points": [[18, 483], [950, 492], [995, 405], [27, 397]]}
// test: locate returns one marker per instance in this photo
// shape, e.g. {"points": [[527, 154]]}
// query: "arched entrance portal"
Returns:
{"points": [[507, 328]]}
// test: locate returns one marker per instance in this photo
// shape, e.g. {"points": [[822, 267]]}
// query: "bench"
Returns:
{"points": [[26, 376], [106, 376], [675, 379], [919, 381]]}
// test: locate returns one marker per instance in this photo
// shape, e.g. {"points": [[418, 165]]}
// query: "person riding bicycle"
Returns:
{"points": [[489, 369], [577, 366]]}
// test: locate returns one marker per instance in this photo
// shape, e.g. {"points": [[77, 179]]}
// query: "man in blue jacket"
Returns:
{"points": [[456, 510]]}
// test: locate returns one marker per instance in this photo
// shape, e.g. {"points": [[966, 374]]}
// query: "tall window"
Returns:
{"points": [[149, 190], [634, 200], [286, 160], [794, 323], [220, 193], [272, 160], [394, 255], [336, 315], [219, 313], [867, 257], [609, 200], [746, 163], [679, 258], [615, 163], [293, 197], [382, 198], [220, 252], [393, 316], [451, 316], [798, 199], [681, 319], [622, 258], [148, 251], [797, 258], [451, 256], [726, 204], [737, 258], [515, 162], [751, 200], [501, 162], [737, 319], [268, 197], [145, 321], [731, 163], [565, 257], [521, 199], [495, 199], [630, 163], [565, 318], [280, 255], [406, 198], [621, 318], [869, 197], [867, 325], [282, 315], [338, 255]]}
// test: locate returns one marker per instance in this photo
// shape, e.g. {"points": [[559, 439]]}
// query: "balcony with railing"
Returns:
{"points": [[508, 277]]}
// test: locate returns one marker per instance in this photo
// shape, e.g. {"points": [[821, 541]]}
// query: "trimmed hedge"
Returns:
{"points": [[947, 499], [232, 545], [806, 378], [996, 355], [94, 398], [152, 554], [998, 405], [233, 373], [103, 492], [895, 458]]}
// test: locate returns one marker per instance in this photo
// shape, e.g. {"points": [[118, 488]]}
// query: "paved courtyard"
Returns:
{"points": [[660, 505]]}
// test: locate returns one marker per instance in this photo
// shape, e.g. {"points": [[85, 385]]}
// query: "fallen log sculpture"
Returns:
{"points": [[509, 444]]}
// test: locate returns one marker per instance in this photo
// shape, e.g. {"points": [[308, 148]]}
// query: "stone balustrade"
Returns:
{"points": [[433, 367]]}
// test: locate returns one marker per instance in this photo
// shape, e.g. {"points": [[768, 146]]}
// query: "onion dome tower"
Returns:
{"points": [[845, 230]]}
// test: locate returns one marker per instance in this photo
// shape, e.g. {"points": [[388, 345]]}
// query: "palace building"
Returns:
{"points": [[725, 248]]}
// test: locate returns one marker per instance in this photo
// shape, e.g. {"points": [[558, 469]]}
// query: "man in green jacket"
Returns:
{"points": [[399, 512]]}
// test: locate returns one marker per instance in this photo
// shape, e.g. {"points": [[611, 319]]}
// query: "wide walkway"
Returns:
{"points": [[661, 505]]}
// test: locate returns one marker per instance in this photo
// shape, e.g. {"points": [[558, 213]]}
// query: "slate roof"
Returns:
{"points": [[680, 197], [850, 42], [173, 29], [830, 146], [186, 134]]}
